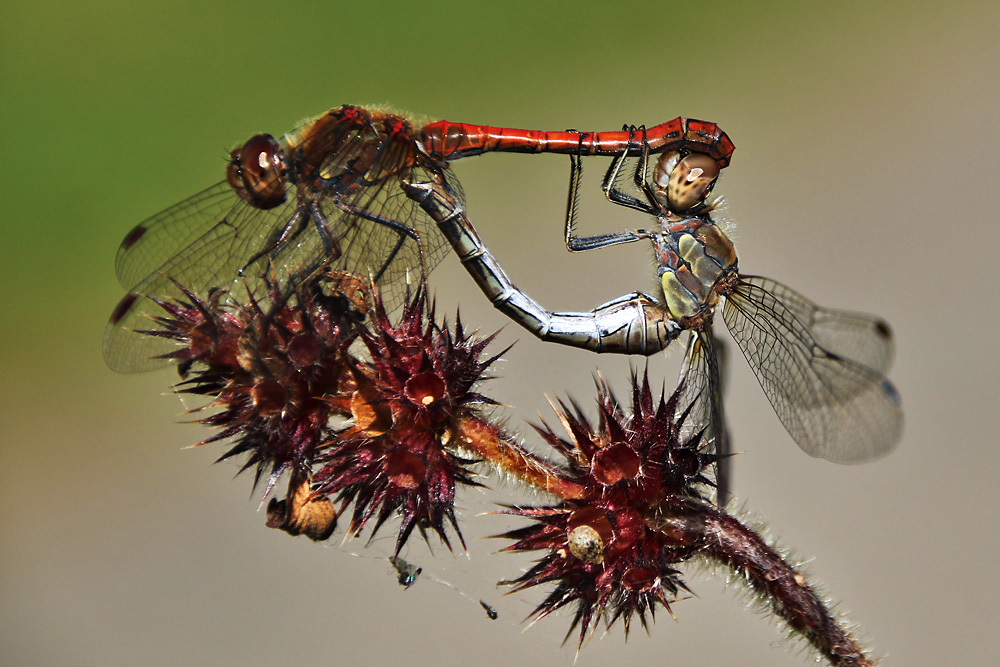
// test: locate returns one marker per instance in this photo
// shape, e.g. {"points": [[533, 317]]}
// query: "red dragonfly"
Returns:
{"points": [[328, 195]]}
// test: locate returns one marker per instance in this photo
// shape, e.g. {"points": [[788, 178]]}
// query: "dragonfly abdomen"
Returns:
{"points": [[631, 324], [447, 141]]}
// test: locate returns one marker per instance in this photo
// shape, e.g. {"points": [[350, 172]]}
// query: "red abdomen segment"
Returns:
{"points": [[447, 141]]}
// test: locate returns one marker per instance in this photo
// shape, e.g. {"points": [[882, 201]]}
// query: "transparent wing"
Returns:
{"points": [[862, 338], [372, 242], [702, 373], [364, 225], [832, 406], [381, 233], [156, 240], [210, 259]]}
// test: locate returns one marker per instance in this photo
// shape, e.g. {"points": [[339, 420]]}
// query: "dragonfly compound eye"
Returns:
{"points": [[691, 181], [665, 166], [257, 171]]}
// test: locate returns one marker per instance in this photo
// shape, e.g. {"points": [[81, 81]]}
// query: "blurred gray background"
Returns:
{"points": [[863, 177]]}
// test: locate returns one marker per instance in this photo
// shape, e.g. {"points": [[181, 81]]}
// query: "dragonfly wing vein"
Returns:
{"points": [[833, 407]]}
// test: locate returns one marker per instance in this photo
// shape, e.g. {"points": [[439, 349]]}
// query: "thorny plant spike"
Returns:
{"points": [[631, 495]]}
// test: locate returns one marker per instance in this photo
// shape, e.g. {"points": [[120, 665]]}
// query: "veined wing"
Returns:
{"points": [[862, 338], [702, 374], [156, 240], [217, 240], [373, 232], [833, 406], [384, 235]]}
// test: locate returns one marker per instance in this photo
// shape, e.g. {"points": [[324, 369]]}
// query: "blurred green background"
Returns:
{"points": [[867, 148]]}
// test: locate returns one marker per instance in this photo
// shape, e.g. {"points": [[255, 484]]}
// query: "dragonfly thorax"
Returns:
{"points": [[349, 148], [697, 264]]}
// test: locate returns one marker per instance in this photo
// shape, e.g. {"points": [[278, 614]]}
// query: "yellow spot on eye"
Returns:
{"points": [[695, 173], [427, 400]]}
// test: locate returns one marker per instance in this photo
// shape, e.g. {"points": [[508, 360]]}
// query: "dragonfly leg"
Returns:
{"points": [[403, 232], [291, 231], [631, 324], [618, 196], [576, 243], [640, 176]]}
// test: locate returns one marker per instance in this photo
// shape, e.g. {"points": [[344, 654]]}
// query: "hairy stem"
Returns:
{"points": [[726, 540], [490, 444]]}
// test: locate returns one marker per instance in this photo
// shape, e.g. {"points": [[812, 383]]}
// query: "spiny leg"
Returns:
{"points": [[295, 226], [403, 231], [640, 177], [579, 244], [618, 196]]}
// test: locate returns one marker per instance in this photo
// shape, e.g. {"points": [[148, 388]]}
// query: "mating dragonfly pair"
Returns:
{"points": [[367, 193]]}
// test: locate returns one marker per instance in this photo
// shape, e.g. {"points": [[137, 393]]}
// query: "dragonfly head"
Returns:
{"points": [[682, 183], [257, 171]]}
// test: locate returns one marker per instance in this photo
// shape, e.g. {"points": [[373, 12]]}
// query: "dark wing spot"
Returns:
{"points": [[133, 236], [123, 307], [882, 329], [890, 392]]}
